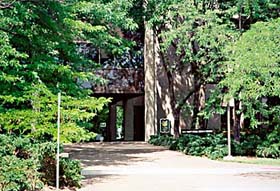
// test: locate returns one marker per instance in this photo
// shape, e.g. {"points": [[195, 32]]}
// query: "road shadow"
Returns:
{"points": [[262, 175], [110, 154]]}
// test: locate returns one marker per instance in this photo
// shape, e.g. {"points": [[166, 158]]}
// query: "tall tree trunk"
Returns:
{"points": [[175, 110], [271, 102], [236, 116], [199, 104], [195, 110], [176, 113]]}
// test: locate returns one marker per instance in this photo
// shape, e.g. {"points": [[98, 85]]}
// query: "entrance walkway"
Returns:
{"points": [[138, 166]]}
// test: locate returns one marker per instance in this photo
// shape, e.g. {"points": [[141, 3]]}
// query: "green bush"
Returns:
{"points": [[195, 147], [70, 169], [161, 140], [270, 147], [19, 174], [247, 145], [215, 146], [212, 146], [253, 145], [216, 152], [28, 165]]}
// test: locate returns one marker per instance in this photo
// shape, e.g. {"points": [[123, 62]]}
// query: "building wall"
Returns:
{"points": [[150, 85], [157, 95], [183, 83], [128, 120], [129, 116]]}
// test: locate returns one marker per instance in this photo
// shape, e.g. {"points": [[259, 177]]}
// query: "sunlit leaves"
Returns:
{"points": [[253, 71], [39, 57]]}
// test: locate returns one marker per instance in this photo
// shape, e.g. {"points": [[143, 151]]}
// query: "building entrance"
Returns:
{"points": [[126, 111], [126, 119], [139, 125]]}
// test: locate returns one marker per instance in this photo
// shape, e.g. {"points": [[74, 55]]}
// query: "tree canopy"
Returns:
{"points": [[39, 57], [42, 53], [252, 71], [195, 34]]}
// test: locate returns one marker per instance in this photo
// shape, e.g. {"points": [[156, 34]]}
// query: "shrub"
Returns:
{"points": [[28, 165], [195, 147], [247, 145], [70, 169], [180, 144], [161, 140], [270, 147], [272, 151], [212, 146], [19, 174], [216, 152]]}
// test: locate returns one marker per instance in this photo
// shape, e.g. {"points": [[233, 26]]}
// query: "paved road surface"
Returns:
{"points": [[138, 166]]}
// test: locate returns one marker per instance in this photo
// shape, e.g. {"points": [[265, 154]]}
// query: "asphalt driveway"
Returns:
{"points": [[138, 166]]}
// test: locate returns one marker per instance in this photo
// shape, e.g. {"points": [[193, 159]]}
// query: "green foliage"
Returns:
{"points": [[71, 170], [19, 174], [99, 22], [192, 35], [211, 146], [119, 122], [247, 145], [40, 56], [214, 146], [270, 147], [163, 140], [258, 9], [252, 72], [28, 165], [40, 121], [197, 33], [255, 145]]}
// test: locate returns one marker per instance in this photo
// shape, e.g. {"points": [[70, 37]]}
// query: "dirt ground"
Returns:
{"points": [[138, 166]]}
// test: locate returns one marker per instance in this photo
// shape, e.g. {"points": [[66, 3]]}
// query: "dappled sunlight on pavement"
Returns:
{"points": [[137, 166]]}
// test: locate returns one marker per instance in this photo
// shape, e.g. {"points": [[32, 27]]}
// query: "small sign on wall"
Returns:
{"points": [[102, 124], [164, 126]]}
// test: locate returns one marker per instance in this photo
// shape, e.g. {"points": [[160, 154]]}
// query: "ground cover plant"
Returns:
{"points": [[214, 146], [26, 164]]}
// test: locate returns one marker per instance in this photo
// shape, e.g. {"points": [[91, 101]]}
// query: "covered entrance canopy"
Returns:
{"points": [[126, 87]]}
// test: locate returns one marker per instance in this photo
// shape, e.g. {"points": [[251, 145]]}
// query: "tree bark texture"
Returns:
{"points": [[236, 116]]}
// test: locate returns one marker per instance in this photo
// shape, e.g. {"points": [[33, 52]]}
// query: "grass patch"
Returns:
{"points": [[255, 160]]}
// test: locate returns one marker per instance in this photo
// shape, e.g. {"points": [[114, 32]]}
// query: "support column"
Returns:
{"points": [[150, 84], [128, 120], [112, 123]]}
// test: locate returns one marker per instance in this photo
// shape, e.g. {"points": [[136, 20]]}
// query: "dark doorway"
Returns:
{"points": [[139, 126]]}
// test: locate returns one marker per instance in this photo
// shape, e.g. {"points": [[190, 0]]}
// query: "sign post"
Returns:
{"points": [[58, 140], [230, 104], [228, 130]]}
